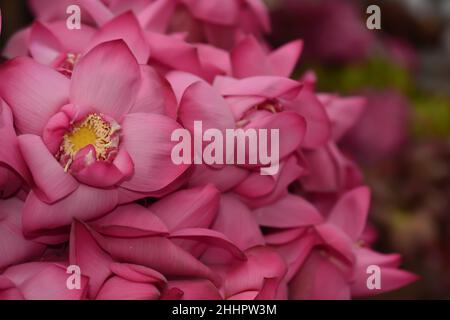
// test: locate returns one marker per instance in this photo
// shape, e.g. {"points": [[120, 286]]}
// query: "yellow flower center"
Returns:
{"points": [[94, 131]]}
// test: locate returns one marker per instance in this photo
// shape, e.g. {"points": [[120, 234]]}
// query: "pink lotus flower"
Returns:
{"points": [[54, 45], [15, 248], [324, 252], [246, 103], [83, 138], [213, 21], [328, 169], [164, 252], [86, 120]]}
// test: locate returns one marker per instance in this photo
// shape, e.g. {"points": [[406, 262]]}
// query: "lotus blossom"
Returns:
{"points": [[212, 21], [329, 170], [87, 177], [54, 45], [326, 257], [189, 260], [258, 108], [82, 138]]}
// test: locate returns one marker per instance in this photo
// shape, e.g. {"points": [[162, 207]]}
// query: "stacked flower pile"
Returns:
{"points": [[87, 177]]}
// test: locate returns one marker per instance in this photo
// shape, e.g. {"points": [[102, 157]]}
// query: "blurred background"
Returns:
{"points": [[402, 140]]}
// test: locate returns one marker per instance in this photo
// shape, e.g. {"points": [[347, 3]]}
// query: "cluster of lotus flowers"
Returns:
{"points": [[86, 176]]}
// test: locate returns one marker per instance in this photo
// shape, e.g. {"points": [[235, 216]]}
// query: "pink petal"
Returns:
{"points": [[17, 45], [189, 208], [44, 281], [15, 248], [329, 170], [33, 91], [296, 251], [248, 59], [223, 179], [85, 203], [262, 86], [269, 289], [10, 182], [350, 213], [391, 277], [155, 94], [319, 279], [44, 45], [180, 81], [72, 40], [106, 79], [173, 53], [211, 238], [130, 220], [195, 289], [284, 236], [256, 185], [292, 130], [153, 167], [117, 288], [289, 212], [201, 102], [237, 222], [261, 12], [8, 290], [52, 183], [223, 13], [156, 16], [262, 264], [337, 241], [285, 58], [137, 273], [290, 170], [10, 152], [214, 61], [245, 296], [55, 130], [343, 113], [157, 253], [318, 127], [97, 10], [89, 257], [127, 28], [102, 174]]}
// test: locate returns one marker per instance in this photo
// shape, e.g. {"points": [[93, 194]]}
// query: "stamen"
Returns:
{"points": [[273, 107], [94, 131], [67, 63]]}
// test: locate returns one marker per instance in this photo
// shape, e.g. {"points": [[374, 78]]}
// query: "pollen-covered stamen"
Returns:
{"points": [[66, 62], [271, 106], [94, 130]]}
